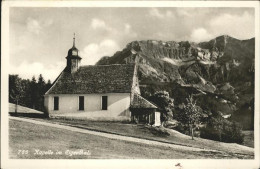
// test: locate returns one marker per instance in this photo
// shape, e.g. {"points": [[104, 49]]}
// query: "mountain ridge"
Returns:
{"points": [[183, 53], [197, 68]]}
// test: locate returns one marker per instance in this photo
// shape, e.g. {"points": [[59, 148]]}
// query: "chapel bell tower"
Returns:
{"points": [[73, 58]]}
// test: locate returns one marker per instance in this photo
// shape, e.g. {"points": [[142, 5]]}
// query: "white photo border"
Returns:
{"points": [[122, 164]]}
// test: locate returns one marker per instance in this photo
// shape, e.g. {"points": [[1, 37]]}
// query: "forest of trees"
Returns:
{"points": [[28, 93]]}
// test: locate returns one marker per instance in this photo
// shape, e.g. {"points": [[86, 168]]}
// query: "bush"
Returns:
{"points": [[159, 131], [223, 130], [171, 124], [182, 128], [209, 133], [165, 103], [233, 133]]}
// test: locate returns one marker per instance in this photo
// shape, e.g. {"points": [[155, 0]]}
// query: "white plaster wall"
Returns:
{"points": [[47, 103], [117, 110], [157, 120]]}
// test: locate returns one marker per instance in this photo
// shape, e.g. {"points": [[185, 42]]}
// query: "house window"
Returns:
{"points": [[56, 103], [104, 103], [81, 102]]}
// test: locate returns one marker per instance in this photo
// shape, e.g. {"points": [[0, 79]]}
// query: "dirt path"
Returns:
{"points": [[114, 136]]}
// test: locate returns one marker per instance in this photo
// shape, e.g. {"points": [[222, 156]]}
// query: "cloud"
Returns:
{"points": [[36, 27], [48, 22], [169, 14], [128, 31], [127, 28], [33, 26], [110, 31], [156, 13], [239, 26], [28, 70], [200, 34], [183, 13], [95, 51], [97, 23]]}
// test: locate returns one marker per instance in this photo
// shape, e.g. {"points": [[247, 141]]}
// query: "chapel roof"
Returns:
{"points": [[117, 78], [140, 102]]}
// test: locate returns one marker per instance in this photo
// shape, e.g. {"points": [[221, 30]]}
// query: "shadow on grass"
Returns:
{"points": [[30, 115]]}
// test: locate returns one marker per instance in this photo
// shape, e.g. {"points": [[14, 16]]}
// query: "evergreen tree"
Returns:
{"points": [[28, 93], [16, 90], [41, 89], [34, 93], [48, 85], [26, 98]]}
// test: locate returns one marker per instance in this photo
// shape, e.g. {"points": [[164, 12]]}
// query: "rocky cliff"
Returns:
{"points": [[222, 69]]}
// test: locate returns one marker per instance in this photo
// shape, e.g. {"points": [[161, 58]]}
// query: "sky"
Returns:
{"points": [[39, 38]]}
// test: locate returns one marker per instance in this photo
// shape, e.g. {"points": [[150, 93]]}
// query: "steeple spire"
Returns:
{"points": [[73, 58], [74, 40]]}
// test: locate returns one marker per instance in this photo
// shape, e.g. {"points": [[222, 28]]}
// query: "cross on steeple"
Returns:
{"points": [[74, 40]]}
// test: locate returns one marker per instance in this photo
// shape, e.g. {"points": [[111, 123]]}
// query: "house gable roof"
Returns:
{"points": [[95, 79], [140, 102]]}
